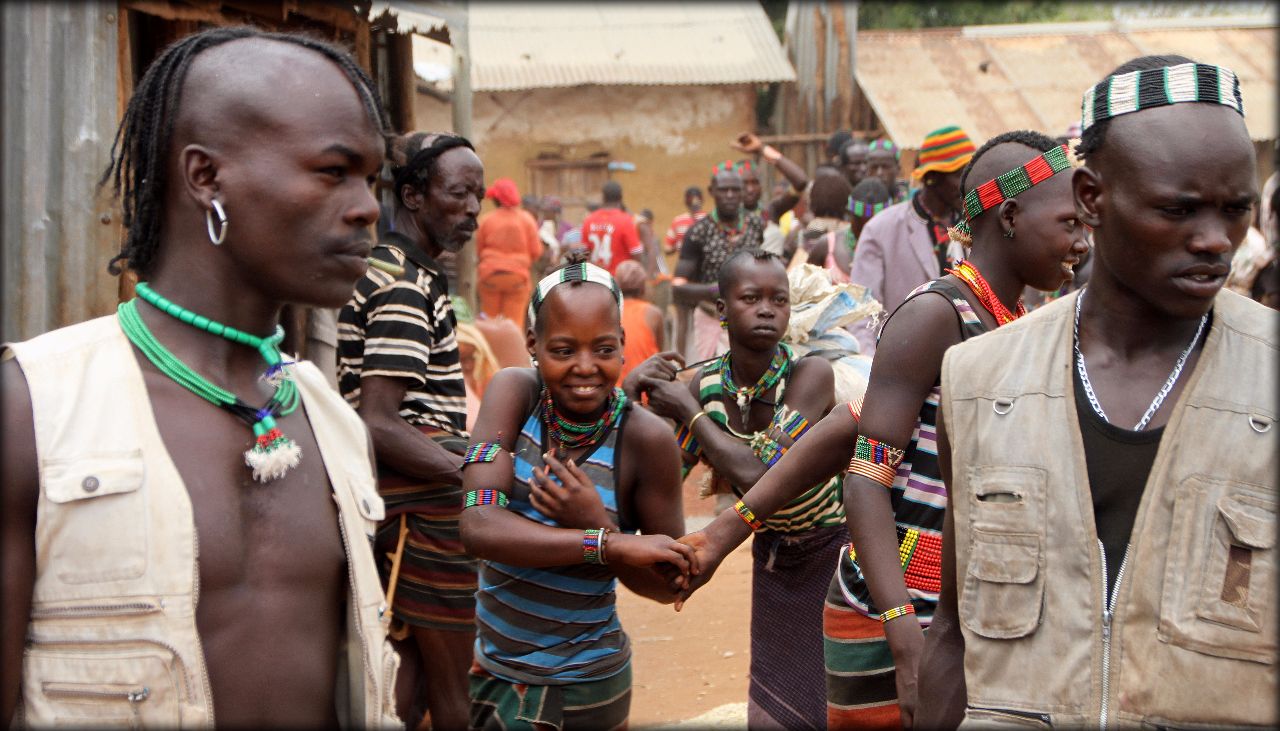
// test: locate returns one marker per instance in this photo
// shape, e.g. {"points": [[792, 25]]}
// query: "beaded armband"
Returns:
{"points": [[794, 425], [686, 440], [484, 497], [767, 450], [481, 452], [875, 460], [747, 516], [593, 546], [896, 612]]}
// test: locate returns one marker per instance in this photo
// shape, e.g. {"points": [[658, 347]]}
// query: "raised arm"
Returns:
{"points": [[19, 492], [794, 174]]}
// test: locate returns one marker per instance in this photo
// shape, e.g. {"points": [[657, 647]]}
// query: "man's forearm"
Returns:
{"points": [[408, 451]]}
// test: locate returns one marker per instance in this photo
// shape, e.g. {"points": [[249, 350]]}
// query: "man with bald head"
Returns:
{"points": [[1108, 553], [186, 512]]}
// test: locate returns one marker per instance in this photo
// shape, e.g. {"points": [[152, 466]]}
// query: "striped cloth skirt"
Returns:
{"points": [[598, 705], [437, 581], [862, 690]]}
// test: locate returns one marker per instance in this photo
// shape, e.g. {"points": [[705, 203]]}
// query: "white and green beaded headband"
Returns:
{"points": [[576, 272], [1148, 88]]}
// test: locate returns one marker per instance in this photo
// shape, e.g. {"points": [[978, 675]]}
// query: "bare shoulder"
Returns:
{"points": [[813, 370], [20, 471], [646, 431]]}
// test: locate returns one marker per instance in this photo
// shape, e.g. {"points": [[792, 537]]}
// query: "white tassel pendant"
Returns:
{"points": [[273, 454]]}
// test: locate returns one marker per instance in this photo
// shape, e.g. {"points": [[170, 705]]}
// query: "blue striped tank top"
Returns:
{"points": [[919, 497], [558, 625]]}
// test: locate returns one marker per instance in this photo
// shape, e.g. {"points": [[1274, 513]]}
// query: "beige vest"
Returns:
{"points": [[1192, 639], [113, 634]]}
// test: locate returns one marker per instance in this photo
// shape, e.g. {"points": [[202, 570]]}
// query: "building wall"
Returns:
{"points": [[673, 134]]}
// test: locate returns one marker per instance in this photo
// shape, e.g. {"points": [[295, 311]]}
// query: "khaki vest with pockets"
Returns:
{"points": [[1193, 637], [113, 638]]}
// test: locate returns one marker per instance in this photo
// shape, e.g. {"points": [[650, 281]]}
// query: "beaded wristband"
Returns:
{"points": [[484, 497], [747, 516], [592, 545], [768, 451], [481, 452], [896, 612], [795, 425]]}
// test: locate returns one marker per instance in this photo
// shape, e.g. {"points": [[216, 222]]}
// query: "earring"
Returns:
{"points": [[222, 223], [724, 324], [1008, 234], [534, 361]]}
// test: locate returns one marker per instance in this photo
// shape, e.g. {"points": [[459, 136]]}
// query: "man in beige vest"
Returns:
{"points": [[187, 515], [1109, 544]]}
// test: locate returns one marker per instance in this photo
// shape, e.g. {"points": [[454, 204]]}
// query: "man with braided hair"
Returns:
{"points": [[173, 508], [400, 367]]}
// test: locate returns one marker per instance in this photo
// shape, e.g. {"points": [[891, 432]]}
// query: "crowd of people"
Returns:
{"points": [[1045, 504]]}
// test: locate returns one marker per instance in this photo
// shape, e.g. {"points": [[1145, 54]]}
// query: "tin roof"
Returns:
{"points": [[991, 79], [544, 45]]}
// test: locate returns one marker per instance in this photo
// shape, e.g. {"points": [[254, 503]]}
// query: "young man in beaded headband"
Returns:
{"points": [[1113, 499], [134, 529], [881, 597], [882, 164]]}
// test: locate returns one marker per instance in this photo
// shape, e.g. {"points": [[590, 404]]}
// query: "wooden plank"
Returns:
{"points": [[124, 61], [362, 54], [174, 11], [403, 81], [334, 16]]}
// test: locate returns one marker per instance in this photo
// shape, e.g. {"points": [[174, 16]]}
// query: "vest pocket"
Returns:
{"points": [[1003, 585], [998, 717], [1220, 578], [91, 687], [89, 498]]}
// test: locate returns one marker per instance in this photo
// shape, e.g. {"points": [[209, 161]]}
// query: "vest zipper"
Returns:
{"points": [[1042, 717], [355, 598], [177, 657], [1108, 613], [114, 610], [205, 683], [134, 695]]}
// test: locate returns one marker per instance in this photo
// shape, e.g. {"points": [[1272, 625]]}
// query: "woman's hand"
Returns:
{"points": [[574, 503], [651, 550], [669, 399]]}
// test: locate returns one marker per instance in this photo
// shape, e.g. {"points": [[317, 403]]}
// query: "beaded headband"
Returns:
{"points": [[886, 145], [862, 209], [577, 272], [1148, 88], [1008, 185], [729, 166]]}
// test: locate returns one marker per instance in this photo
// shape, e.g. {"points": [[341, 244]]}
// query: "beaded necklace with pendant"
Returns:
{"points": [[273, 454], [744, 395], [969, 274], [575, 434]]}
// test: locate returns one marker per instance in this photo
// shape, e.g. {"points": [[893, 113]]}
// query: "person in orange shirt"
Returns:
{"points": [[641, 321], [507, 245]]}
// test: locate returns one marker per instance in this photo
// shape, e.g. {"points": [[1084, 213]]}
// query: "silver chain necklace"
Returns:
{"points": [[1164, 390]]}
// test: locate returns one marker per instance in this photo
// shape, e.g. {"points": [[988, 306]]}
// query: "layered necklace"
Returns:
{"points": [[744, 395], [272, 454], [729, 230], [1160, 395], [572, 434], [969, 274]]}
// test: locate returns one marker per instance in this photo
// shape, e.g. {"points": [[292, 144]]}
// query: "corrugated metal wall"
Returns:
{"points": [[59, 113]]}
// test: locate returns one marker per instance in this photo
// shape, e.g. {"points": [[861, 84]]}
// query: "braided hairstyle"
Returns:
{"points": [[1093, 138], [138, 173], [727, 275], [416, 157], [1034, 140]]}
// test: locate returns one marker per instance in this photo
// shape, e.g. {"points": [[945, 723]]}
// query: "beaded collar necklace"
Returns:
{"points": [[744, 395], [969, 274], [272, 454], [1160, 395], [729, 230], [574, 434]]}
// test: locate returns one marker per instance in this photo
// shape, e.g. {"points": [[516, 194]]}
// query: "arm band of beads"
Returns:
{"points": [[896, 612], [481, 452], [484, 497], [686, 440], [747, 516], [795, 425], [875, 460], [768, 451], [593, 546]]}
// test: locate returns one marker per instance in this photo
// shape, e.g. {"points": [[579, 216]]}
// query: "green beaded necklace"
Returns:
{"points": [[272, 454], [744, 395]]}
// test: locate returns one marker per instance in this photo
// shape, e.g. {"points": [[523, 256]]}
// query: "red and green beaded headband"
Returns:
{"points": [[1008, 185], [1148, 88], [729, 166]]}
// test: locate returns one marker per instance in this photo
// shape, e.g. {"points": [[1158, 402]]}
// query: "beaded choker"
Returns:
{"points": [[272, 454], [969, 274], [1008, 185], [1148, 88], [574, 434], [742, 217], [744, 395]]}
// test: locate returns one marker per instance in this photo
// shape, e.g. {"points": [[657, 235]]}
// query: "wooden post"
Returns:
{"points": [[459, 39]]}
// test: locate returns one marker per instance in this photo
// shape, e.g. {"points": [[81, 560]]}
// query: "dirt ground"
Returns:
{"points": [[693, 665]]}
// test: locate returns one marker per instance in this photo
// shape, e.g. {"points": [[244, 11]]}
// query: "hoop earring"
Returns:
{"points": [[222, 223]]}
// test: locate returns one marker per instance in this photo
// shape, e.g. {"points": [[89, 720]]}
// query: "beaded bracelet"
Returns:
{"points": [[593, 546], [875, 460], [795, 425], [481, 452], [896, 612], [747, 516], [686, 441], [484, 497], [768, 451]]}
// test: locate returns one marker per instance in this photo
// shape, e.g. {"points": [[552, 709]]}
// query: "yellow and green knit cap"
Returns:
{"points": [[945, 150]]}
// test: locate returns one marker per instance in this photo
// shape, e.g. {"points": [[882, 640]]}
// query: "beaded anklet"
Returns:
{"points": [[876, 460], [481, 452], [747, 516], [896, 612], [593, 546], [484, 497]]}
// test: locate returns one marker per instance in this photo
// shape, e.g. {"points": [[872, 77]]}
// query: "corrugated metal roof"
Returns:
{"points": [[542, 45], [991, 79]]}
